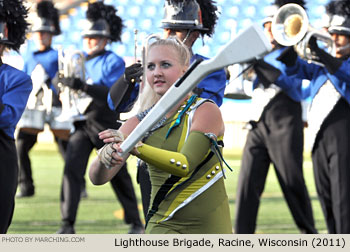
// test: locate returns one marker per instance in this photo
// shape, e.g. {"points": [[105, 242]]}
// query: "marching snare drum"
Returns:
{"points": [[60, 125], [32, 121]]}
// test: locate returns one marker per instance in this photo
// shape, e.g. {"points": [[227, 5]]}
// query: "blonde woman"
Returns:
{"points": [[188, 191]]}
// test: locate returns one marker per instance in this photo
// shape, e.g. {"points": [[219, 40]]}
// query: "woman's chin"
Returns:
{"points": [[160, 90]]}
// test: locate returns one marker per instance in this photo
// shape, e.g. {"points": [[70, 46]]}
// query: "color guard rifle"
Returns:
{"points": [[247, 46]]}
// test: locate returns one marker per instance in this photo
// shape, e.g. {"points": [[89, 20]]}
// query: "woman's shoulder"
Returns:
{"points": [[208, 107], [204, 103], [208, 118], [207, 111]]}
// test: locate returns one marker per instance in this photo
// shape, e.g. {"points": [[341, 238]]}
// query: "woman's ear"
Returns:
{"points": [[184, 69]]}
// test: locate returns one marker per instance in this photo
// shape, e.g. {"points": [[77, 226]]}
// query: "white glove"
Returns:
{"points": [[111, 135], [105, 155], [117, 135]]}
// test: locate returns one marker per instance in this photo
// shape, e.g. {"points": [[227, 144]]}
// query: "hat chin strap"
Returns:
{"points": [[185, 39], [345, 50], [96, 48], [187, 36]]}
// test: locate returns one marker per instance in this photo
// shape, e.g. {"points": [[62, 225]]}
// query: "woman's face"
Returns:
{"points": [[163, 68]]}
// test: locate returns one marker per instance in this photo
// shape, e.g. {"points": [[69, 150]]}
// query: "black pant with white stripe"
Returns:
{"points": [[331, 162], [277, 139]]}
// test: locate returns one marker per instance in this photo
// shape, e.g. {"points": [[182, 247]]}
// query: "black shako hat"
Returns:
{"points": [[13, 16], [200, 15], [339, 16], [102, 21], [47, 19]]}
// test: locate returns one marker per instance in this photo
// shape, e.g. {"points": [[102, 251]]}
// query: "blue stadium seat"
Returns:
{"points": [[157, 2], [133, 11], [120, 2], [146, 25], [150, 11], [231, 11], [250, 11], [145, 16], [120, 11]]}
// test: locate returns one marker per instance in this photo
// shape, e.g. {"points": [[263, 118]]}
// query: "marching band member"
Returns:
{"points": [[329, 116], [187, 20], [184, 170], [15, 87], [103, 68], [275, 136], [42, 65]]}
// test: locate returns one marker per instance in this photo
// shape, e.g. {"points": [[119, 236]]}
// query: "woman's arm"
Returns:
{"points": [[98, 173], [207, 119]]}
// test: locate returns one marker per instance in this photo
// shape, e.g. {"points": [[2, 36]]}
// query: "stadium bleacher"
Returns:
{"points": [[145, 17]]}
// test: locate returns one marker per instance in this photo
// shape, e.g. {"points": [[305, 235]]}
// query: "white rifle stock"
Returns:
{"points": [[247, 46]]}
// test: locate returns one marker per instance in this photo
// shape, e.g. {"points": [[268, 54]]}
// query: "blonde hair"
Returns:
{"points": [[181, 49], [148, 97]]}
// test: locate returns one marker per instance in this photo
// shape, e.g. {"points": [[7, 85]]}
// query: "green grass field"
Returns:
{"points": [[101, 212]]}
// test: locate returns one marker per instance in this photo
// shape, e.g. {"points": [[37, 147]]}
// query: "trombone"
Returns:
{"points": [[290, 27]]}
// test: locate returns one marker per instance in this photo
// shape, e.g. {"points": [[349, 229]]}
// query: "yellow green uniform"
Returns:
{"points": [[194, 200]]}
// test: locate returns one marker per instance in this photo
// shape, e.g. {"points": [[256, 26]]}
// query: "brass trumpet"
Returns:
{"points": [[290, 27]]}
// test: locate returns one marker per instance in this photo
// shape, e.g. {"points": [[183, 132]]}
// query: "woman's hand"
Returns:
{"points": [[108, 155], [111, 136]]}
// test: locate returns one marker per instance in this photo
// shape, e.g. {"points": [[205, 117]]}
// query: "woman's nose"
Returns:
{"points": [[157, 71]]}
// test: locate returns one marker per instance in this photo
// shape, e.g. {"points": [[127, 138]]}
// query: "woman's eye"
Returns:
{"points": [[166, 65], [150, 66]]}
